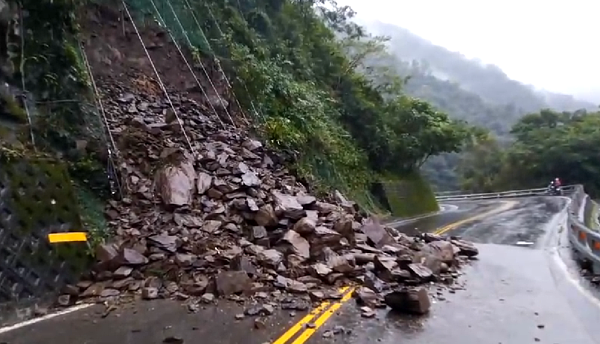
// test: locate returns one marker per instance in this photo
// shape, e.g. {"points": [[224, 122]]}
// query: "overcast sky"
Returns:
{"points": [[550, 44]]}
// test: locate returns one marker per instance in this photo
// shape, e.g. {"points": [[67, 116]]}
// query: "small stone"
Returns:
{"points": [[193, 307], [339, 329], [207, 298], [108, 292], [39, 311], [316, 296], [64, 300], [149, 293], [259, 324], [268, 309], [232, 282], [122, 272], [367, 312]]}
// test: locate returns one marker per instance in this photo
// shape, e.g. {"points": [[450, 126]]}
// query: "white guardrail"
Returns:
{"points": [[585, 242], [458, 195]]}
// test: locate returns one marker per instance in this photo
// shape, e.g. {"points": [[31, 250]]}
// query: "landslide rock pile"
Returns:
{"points": [[226, 219]]}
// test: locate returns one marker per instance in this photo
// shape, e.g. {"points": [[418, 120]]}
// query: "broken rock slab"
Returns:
{"points": [[298, 244], [414, 301], [228, 219], [377, 234], [232, 282], [176, 183], [288, 206], [465, 248]]}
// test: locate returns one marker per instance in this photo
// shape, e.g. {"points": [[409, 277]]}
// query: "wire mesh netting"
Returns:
{"points": [[197, 26]]}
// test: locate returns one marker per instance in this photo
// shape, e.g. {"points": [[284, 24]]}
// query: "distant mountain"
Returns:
{"points": [[487, 81], [466, 89]]}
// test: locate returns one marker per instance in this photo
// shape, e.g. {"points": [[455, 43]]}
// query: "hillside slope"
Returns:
{"points": [[275, 70], [467, 90], [487, 81]]}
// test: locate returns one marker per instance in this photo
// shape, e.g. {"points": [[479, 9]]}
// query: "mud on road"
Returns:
{"points": [[510, 295]]}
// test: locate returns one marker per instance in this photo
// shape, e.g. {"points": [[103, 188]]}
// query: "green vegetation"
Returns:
{"points": [[547, 144], [297, 67], [47, 97], [592, 216], [297, 63], [410, 196], [465, 89], [41, 198]]}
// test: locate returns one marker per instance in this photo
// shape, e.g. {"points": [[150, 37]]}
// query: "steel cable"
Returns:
{"points": [[162, 85]]}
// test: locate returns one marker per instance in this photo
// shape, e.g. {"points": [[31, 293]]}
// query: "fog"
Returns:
{"points": [[552, 45]]}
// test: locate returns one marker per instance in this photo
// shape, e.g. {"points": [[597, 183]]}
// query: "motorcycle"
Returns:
{"points": [[554, 190]]}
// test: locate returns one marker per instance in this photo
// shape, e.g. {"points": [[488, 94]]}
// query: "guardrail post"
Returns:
{"points": [[584, 242]]}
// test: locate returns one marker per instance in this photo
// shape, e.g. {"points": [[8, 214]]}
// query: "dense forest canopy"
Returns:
{"points": [[547, 144]]}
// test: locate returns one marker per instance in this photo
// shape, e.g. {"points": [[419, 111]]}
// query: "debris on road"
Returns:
{"points": [[409, 300], [224, 219]]}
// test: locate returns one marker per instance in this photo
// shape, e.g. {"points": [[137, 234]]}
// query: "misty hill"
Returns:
{"points": [[466, 89], [487, 81]]}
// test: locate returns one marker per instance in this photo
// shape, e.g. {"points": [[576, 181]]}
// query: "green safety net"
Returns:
{"points": [[199, 26]]}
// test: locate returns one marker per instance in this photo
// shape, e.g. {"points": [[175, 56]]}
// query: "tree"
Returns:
{"points": [[481, 164], [548, 145]]}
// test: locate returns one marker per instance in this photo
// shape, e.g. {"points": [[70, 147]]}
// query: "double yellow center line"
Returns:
{"points": [[325, 310], [507, 205]]}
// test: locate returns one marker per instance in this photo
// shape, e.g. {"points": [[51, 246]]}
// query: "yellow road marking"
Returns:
{"points": [[506, 206], [67, 237], [303, 337], [322, 319], [300, 324]]}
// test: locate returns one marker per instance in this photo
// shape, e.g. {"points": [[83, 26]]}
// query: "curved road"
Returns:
{"points": [[522, 289]]}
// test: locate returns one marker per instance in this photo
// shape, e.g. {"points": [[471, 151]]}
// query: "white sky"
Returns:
{"points": [[551, 44]]}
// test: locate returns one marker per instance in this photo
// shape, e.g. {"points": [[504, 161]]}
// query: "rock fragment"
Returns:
{"points": [[225, 218], [414, 301]]}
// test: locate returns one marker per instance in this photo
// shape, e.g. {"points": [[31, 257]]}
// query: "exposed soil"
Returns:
{"points": [[114, 51]]}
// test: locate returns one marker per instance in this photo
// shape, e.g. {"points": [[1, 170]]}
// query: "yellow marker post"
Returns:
{"points": [[55, 238]]}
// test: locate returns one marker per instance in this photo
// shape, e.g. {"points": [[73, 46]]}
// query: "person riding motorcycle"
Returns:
{"points": [[555, 186]]}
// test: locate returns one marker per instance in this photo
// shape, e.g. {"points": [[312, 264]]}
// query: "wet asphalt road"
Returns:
{"points": [[511, 295], [149, 323], [502, 303]]}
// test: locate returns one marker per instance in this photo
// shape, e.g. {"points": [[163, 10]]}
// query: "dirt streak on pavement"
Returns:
{"points": [[494, 287], [511, 294], [151, 322]]}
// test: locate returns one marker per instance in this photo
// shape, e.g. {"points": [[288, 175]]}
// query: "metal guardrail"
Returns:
{"points": [[585, 242], [456, 195]]}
